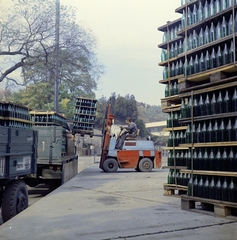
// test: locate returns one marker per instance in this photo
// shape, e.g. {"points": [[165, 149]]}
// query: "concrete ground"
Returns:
{"points": [[123, 205]]}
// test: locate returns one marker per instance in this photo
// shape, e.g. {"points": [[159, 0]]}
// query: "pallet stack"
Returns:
{"points": [[43, 120], [205, 103], [14, 115], [84, 117]]}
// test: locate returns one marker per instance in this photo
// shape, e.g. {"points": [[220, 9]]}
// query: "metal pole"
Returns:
{"points": [[56, 55]]}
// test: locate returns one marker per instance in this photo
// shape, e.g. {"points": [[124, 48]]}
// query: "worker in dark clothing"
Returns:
{"points": [[131, 131]]}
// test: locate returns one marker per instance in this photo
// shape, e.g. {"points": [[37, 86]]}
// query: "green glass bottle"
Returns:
{"points": [[206, 9], [173, 177], [189, 17], [222, 131], [195, 187], [213, 59], [170, 157], [207, 61], [213, 104], [188, 162], [212, 7], [195, 39], [177, 139], [205, 160], [225, 55], [196, 109], [210, 132], [196, 65], [181, 48], [218, 192], [230, 25], [201, 38], [231, 52], [201, 159], [219, 103], [201, 63], [181, 158], [229, 131], [175, 88], [204, 133], [189, 107], [190, 42], [198, 134], [200, 12], [211, 159], [172, 72], [194, 14], [169, 180], [234, 136], [165, 73], [206, 188], [231, 161], [224, 190], [207, 105], [170, 140], [200, 187], [234, 101], [232, 191], [218, 6], [218, 160], [224, 161], [183, 109], [181, 67], [226, 102], [188, 134], [223, 4], [216, 132], [175, 120], [190, 186], [184, 163], [167, 90], [191, 66], [218, 31], [195, 159], [224, 27], [206, 35], [219, 57], [212, 189], [169, 123]]}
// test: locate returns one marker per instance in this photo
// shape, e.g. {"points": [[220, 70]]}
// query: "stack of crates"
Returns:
{"points": [[85, 114], [50, 120], [17, 141], [13, 115], [199, 59]]}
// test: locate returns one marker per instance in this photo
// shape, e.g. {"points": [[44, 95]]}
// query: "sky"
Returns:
{"points": [[127, 39]]}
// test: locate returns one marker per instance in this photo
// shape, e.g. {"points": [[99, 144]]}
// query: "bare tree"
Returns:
{"points": [[27, 42]]}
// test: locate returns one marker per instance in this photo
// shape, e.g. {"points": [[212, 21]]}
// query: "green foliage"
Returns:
{"points": [[141, 125]]}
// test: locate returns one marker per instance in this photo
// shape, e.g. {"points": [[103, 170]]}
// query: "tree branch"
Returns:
{"points": [[13, 68]]}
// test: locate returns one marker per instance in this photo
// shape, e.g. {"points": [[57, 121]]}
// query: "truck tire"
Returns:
{"points": [[15, 199], [110, 165], [145, 165]]}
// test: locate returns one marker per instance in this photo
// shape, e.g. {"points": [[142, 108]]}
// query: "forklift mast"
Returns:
{"points": [[108, 122]]}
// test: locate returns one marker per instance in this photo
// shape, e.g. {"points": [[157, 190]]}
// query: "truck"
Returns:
{"points": [[140, 155], [32, 152]]}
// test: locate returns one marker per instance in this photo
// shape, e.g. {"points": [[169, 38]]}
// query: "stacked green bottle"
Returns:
{"points": [[84, 117], [14, 115]]}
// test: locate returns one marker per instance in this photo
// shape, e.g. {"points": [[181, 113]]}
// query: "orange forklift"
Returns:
{"points": [[140, 155]]}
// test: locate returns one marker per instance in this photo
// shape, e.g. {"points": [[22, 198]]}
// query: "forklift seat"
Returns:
{"points": [[134, 138]]}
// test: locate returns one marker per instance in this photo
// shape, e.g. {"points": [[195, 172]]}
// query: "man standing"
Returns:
{"points": [[131, 131]]}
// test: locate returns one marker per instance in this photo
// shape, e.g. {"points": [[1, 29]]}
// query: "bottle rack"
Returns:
{"points": [[206, 98], [48, 118], [84, 117], [14, 115]]}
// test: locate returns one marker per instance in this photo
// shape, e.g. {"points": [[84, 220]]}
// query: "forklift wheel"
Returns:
{"points": [[145, 165], [110, 165]]}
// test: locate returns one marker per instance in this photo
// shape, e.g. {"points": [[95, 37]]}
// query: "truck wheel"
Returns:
{"points": [[15, 199], [110, 165], [145, 165]]}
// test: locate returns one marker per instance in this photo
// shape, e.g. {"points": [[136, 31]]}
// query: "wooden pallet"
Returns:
{"points": [[174, 190], [209, 206]]}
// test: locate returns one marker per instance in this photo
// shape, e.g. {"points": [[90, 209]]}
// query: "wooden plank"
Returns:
{"points": [[209, 117], [174, 186], [174, 167], [174, 129], [164, 81], [209, 173], [174, 148], [177, 106], [210, 144]]}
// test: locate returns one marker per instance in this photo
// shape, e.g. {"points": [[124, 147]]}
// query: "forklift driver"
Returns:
{"points": [[131, 131]]}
